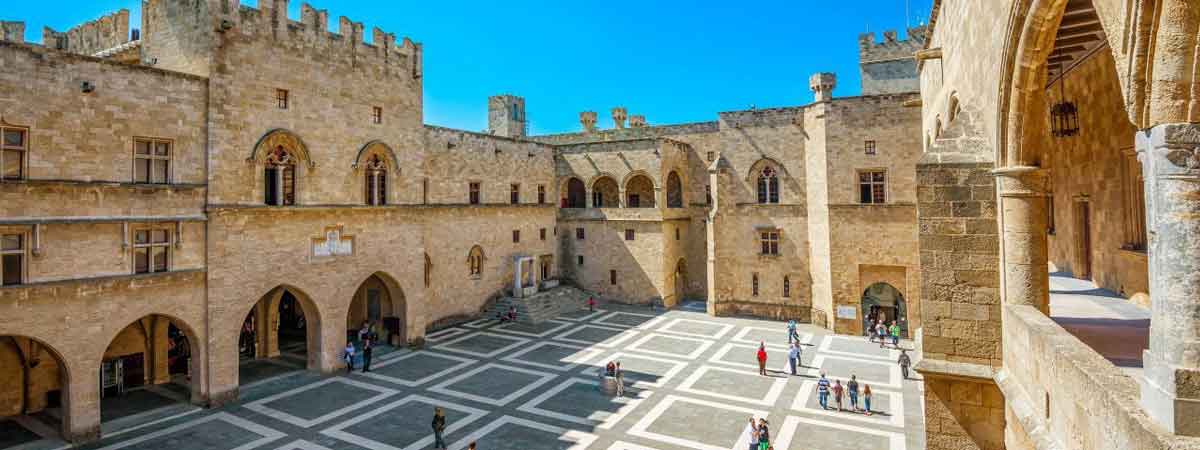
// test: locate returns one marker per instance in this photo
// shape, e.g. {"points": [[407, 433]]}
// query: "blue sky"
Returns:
{"points": [[674, 61]]}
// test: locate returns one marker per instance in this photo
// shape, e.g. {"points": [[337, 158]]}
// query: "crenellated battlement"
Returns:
{"points": [[311, 33], [12, 31], [92, 37], [870, 50]]}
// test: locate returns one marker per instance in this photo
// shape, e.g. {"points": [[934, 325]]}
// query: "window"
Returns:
{"points": [[12, 259], [424, 191], [281, 98], [580, 259], [542, 234], [280, 178], [597, 199], [629, 234], [475, 261], [376, 181], [872, 186], [428, 270], [710, 156], [516, 236], [677, 233], [770, 242], [869, 147], [473, 196], [708, 194], [12, 153], [635, 201], [151, 159], [150, 250], [768, 186], [1135, 204], [754, 284], [541, 194], [787, 286], [612, 277], [514, 194], [579, 233], [376, 115]]}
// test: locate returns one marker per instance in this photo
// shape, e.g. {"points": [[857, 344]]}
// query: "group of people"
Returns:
{"points": [[366, 339], [794, 352], [613, 369], [884, 332], [508, 316], [850, 390], [759, 433]]}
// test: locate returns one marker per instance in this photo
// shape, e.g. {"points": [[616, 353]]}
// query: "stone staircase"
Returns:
{"points": [[540, 307]]}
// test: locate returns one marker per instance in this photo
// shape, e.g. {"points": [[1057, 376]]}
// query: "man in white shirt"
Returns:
{"points": [[794, 356]]}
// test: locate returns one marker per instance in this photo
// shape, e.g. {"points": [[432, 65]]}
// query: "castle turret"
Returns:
{"points": [[12, 31], [822, 85], [618, 115], [506, 116]]}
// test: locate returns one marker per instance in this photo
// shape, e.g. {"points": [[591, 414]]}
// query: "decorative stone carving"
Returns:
{"points": [[588, 120], [333, 243], [618, 115]]}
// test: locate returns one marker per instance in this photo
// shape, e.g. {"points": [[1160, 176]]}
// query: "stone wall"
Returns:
{"points": [[90, 38], [889, 67]]}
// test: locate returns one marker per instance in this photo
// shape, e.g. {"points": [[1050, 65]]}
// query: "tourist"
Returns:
{"points": [[867, 398], [752, 433], [439, 427], [823, 391], [366, 352], [838, 390], [364, 333], [620, 376], [852, 391], [610, 369], [591, 304], [794, 356], [904, 362], [762, 359], [764, 434], [471, 446], [791, 329], [895, 331], [512, 314], [348, 355], [881, 331]]}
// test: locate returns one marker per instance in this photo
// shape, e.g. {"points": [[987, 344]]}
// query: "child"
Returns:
{"points": [[867, 398], [349, 357], [837, 393]]}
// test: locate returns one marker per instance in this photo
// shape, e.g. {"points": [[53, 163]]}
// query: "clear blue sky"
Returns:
{"points": [[673, 60]]}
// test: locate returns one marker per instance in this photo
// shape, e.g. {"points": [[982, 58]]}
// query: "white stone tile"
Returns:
{"points": [[462, 364], [268, 434], [791, 425], [722, 328], [827, 348], [768, 399], [516, 342], [447, 333], [895, 381], [640, 429], [616, 340], [895, 406], [480, 323], [779, 358], [582, 355], [260, 406], [701, 346], [302, 445], [741, 336], [338, 431], [578, 439], [507, 328], [676, 367], [444, 387], [593, 315], [654, 320], [603, 420]]}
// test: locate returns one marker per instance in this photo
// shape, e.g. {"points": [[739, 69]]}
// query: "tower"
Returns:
{"points": [[506, 116], [822, 85]]}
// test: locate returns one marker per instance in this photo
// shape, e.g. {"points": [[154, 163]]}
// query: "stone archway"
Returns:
{"points": [[639, 192], [674, 190], [884, 299], [151, 363], [378, 303], [280, 332], [605, 193], [36, 380], [575, 194]]}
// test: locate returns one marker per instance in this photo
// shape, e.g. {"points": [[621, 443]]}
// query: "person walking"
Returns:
{"points": [[348, 356], [794, 357], [881, 331], [764, 434], [895, 332], [366, 352], [823, 391], [762, 359], [852, 391], [867, 398], [620, 376], [792, 334], [838, 390], [752, 434], [904, 362], [591, 304], [439, 427]]}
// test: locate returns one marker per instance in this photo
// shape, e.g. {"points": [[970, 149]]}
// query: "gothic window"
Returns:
{"points": [[376, 181], [770, 242], [754, 284], [674, 191], [768, 186], [473, 195], [280, 177], [787, 286], [872, 186], [475, 261], [514, 194], [151, 161], [12, 259], [13, 148], [151, 250], [541, 194]]}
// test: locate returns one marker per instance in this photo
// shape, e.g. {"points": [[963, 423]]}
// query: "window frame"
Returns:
{"points": [[152, 157], [23, 149], [767, 186], [754, 284], [376, 170], [612, 277], [769, 241], [377, 115], [516, 234], [22, 251], [869, 147], [630, 234], [280, 174], [542, 234], [514, 194], [541, 194], [474, 193], [283, 99], [475, 260], [579, 258], [787, 287], [872, 184], [150, 246], [580, 234]]}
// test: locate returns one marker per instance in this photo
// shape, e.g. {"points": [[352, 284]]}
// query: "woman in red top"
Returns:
{"points": [[762, 359]]}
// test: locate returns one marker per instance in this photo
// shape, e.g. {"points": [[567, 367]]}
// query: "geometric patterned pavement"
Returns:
{"points": [[692, 384]]}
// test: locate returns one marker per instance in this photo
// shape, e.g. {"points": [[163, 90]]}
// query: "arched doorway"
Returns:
{"points": [[34, 391], [281, 333], [882, 300], [639, 192], [576, 194], [378, 306], [146, 366], [605, 193], [674, 191]]}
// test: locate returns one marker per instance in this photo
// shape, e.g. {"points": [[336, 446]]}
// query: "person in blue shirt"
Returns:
{"points": [[791, 328], [823, 391]]}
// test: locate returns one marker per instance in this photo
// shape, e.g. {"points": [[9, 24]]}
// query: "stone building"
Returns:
{"points": [[225, 185], [1063, 140]]}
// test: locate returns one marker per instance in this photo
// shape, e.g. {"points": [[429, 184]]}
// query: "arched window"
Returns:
{"points": [[754, 285], [376, 181], [280, 177], [787, 286], [576, 194], [768, 186], [475, 262], [674, 191], [605, 193]]}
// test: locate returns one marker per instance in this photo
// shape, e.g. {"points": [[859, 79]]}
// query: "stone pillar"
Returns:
{"points": [[159, 346], [1025, 278], [81, 418], [1170, 391], [621, 197]]}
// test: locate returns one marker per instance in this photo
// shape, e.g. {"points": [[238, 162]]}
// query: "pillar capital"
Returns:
{"points": [[1022, 181], [1170, 151]]}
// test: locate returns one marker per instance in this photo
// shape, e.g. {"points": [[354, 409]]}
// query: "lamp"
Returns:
{"points": [[1064, 116]]}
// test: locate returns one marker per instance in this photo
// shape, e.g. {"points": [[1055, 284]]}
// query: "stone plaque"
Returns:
{"points": [[847, 312]]}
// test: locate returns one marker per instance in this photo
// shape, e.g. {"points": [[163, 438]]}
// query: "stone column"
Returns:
{"points": [[1025, 278], [81, 415], [1170, 391], [621, 197], [159, 347]]}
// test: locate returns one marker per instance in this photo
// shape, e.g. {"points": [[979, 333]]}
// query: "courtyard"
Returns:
{"points": [[692, 384]]}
